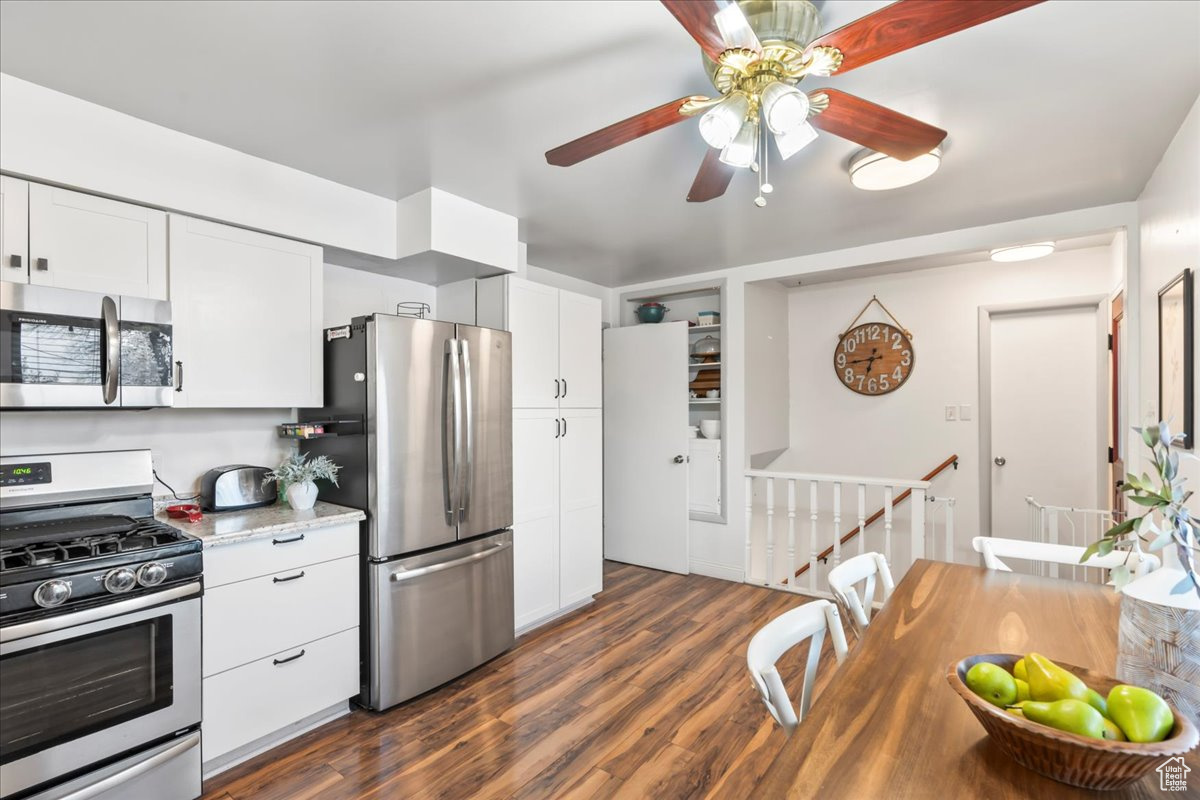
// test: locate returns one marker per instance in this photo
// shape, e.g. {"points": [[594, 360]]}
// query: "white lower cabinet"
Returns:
{"points": [[535, 570], [280, 621], [704, 475]]}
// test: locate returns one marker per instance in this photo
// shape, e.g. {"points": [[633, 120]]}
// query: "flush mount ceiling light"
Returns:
{"points": [[755, 52], [1023, 252], [877, 172]]}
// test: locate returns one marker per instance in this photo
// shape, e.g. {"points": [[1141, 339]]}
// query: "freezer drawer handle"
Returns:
{"points": [[110, 782], [295, 577], [408, 574], [299, 538], [278, 661]]}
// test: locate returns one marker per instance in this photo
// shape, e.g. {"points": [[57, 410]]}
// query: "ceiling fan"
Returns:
{"points": [[756, 51]]}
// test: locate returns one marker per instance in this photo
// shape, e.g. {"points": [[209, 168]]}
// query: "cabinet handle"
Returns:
{"points": [[288, 578], [564, 380], [14, 260], [179, 376], [278, 661], [43, 264], [557, 427], [564, 426], [299, 538], [557, 389]]}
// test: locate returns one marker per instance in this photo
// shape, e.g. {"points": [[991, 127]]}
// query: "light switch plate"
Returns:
{"points": [[951, 413], [964, 413]]}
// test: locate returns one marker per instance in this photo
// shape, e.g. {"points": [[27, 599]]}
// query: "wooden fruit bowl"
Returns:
{"points": [[1069, 757]]}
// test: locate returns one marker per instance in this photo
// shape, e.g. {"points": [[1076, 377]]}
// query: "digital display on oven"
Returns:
{"points": [[22, 474]]}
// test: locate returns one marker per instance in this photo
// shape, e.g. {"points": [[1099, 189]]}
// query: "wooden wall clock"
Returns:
{"points": [[874, 358]]}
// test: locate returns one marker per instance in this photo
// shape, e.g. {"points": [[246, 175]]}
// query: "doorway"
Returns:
{"points": [[1043, 410]]}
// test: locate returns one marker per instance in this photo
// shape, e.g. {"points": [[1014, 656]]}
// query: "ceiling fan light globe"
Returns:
{"points": [[795, 140], [743, 150], [874, 171], [721, 123], [785, 107]]}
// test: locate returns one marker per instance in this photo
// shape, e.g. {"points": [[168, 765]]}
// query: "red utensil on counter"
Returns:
{"points": [[188, 511]]}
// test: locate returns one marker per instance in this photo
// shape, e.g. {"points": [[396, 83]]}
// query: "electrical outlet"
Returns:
{"points": [[951, 413], [964, 413]]}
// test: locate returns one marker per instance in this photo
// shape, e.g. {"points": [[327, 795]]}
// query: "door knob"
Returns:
{"points": [[1000, 461], [679, 459]]}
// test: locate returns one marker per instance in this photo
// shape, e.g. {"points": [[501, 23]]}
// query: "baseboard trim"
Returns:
{"points": [[562, 612], [259, 746], [715, 570]]}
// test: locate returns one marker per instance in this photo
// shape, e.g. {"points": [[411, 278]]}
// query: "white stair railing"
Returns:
{"points": [[778, 547], [1068, 525]]}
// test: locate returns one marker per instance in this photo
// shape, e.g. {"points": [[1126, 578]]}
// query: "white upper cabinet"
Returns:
{"points": [[78, 241], [579, 351], [533, 321], [14, 230], [247, 317]]}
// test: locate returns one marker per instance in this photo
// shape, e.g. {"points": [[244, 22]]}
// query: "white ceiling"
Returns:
{"points": [[1063, 105]]}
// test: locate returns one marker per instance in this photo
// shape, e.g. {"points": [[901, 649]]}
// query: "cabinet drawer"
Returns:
{"points": [[250, 619], [228, 563], [252, 701]]}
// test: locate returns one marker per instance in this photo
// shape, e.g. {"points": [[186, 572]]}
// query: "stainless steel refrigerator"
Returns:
{"points": [[419, 415]]}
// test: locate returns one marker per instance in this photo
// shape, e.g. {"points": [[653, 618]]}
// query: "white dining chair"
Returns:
{"points": [[992, 548], [809, 621], [864, 569]]}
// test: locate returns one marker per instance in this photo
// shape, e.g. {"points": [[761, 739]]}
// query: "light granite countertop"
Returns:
{"points": [[229, 527]]}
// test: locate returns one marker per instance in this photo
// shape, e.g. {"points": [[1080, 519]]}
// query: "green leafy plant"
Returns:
{"points": [[1164, 498], [296, 468]]}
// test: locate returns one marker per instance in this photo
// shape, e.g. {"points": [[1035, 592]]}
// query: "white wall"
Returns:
{"points": [[904, 434], [768, 389], [1170, 242], [188, 442]]}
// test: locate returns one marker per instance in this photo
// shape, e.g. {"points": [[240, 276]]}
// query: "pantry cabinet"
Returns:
{"points": [[247, 317], [704, 476], [14, 230], [558, 442]]}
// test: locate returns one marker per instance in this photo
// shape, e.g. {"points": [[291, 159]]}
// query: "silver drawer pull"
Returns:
{"points": [[408, 574], [278, 661], [299, 538], [295, 577]]}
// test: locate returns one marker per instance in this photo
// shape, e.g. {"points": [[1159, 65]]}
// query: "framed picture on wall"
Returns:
{"points": [[1175, 366]]}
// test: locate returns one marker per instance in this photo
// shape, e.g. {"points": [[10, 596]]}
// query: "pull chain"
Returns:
{"points": [[761, 201]]}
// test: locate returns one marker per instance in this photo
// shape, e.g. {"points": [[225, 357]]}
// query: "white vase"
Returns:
{"points": [[1159, 640], [302, 496]]}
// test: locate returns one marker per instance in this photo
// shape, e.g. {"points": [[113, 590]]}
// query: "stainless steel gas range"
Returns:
{"points": [[99, 633]]}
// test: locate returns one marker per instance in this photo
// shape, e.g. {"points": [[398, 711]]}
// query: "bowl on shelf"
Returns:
{"points": [[651, 312], [1068, 757], [710, 428]]}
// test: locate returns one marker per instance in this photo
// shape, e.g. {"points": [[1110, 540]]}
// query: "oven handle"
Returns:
{"points": [[109, 782], [24, 630], [110, 358]]}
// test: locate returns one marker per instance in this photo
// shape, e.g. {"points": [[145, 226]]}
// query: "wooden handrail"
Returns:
{"points": [[828, 551]]}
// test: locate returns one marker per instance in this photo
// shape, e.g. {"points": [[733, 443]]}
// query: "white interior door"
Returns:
{"points": [[533, 322], [579, 350], [646, 445], [1046, 410]]}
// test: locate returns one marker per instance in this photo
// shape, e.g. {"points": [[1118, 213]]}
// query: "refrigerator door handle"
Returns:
{"points": [[468, 433], [451, 432]]}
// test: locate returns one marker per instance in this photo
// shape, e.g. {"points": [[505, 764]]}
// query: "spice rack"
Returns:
{"points": [[319, 429]]}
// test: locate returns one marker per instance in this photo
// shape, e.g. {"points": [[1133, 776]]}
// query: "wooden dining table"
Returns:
{"points": [[888, 725]]}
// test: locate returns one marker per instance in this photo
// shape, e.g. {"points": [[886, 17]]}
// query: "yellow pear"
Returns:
{"points": [[1019, 670], [1049, 682]]}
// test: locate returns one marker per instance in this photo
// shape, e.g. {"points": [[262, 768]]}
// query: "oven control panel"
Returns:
{"points": [[24, 473]]}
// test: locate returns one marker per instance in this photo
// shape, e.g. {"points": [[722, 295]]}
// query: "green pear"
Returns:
{"points": [[992, 683], [1049, 682], [1072, 716], [1097, 701], [1112, 732], [1142, 715]]}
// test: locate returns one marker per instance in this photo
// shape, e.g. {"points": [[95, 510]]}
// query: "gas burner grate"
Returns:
{"points": [[145, 535]]}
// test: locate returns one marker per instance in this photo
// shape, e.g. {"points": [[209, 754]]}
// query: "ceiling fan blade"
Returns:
{"points": [[618, 133], [716, 26], [713, 178], [874, 126], [908, 23]]}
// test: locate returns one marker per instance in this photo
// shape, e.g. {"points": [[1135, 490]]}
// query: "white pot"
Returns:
{"points": [[302, 496], [1159, 639]]}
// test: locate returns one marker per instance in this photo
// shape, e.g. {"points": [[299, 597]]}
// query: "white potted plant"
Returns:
{"points": [[1159, 635], [299, 476]]}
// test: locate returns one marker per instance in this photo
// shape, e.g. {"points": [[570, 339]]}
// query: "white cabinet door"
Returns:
{"points": [[581, 504], [77, 241], [535, 514], [704, 476], [14, 230], [533, 321], [247, 317], [579, 350]]}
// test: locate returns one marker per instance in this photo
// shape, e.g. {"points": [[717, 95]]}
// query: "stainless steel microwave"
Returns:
{"points": [[60, 348]]}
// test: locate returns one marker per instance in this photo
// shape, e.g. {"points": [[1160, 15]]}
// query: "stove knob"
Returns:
{"points": [[120, 580], [52, 593], [151, 574]]}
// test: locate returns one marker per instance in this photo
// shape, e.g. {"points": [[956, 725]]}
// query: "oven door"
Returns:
{"points": [[89, 686]]}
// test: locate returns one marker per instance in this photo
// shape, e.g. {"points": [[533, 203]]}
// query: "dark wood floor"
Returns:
{"points": [[644, 693]]}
